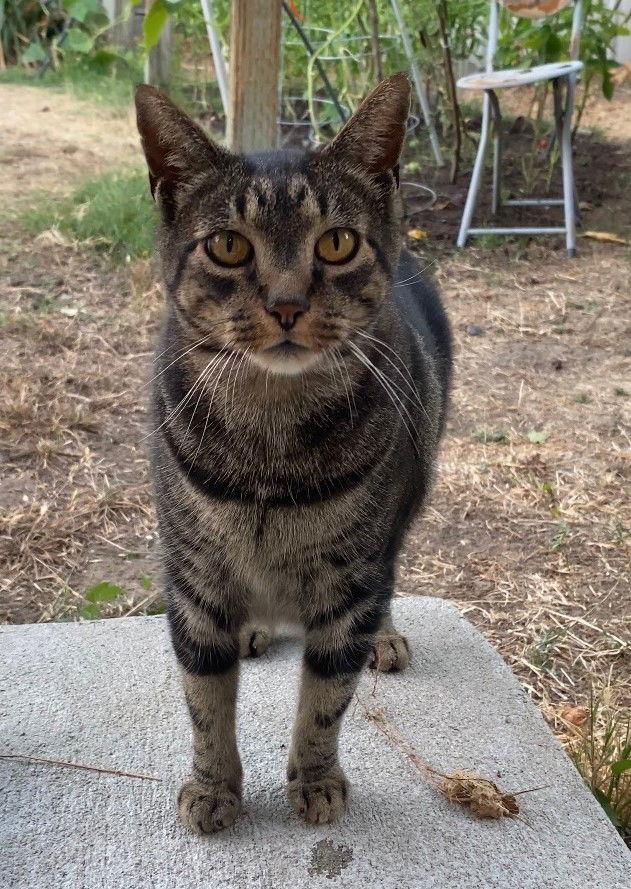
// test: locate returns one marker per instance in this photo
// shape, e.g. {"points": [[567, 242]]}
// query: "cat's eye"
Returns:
{"points": [[337, 245], [229, 248]]}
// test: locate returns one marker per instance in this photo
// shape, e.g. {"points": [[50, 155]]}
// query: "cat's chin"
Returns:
{"points": [[287, 365]]}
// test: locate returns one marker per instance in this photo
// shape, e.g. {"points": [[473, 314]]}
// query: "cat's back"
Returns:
{"points": [[420, 306]]}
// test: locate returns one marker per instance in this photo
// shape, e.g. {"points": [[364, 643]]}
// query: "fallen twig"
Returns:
{"points": [[75, 765], [481, 795]]}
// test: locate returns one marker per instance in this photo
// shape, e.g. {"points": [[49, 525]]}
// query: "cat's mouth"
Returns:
{"points": [[286, 347], [286, 357]]}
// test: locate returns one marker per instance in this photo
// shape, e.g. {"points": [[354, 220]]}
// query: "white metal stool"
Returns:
{"points": [[561, 74]]}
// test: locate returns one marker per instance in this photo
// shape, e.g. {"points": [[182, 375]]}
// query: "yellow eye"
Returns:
{"points": [[229, 248], [338, 245]]}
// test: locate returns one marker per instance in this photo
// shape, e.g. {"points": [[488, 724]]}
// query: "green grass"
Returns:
{"points": [[601, 750], [113, 86], [114, 211]]}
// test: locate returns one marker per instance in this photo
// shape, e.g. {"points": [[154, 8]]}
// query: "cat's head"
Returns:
{"points": [[284, 254]]}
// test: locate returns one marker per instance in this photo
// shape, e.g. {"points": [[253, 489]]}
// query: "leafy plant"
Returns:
{"points": [[487, 437], [540, 654], [601, 751], [561, 536], [97, 596]]}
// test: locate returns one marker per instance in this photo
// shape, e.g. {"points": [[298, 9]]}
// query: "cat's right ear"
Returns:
{"points": [[175, 147]]}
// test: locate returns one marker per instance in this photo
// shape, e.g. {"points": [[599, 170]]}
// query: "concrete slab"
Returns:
{"points": [[106, 693]]}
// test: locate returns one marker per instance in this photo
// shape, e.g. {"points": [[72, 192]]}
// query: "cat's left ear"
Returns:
{"points": [[372, 139], [175, 147]]}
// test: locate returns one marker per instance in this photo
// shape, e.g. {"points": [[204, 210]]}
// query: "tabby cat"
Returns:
{"points": [[299, 396]]}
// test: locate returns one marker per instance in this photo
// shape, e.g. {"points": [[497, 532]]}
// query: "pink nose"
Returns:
{"points": [[287, 314]]}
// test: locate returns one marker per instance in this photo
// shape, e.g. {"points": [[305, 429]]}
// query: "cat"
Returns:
{"points": [[299, 396]]}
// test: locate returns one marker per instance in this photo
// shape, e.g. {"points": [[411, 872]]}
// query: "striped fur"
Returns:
{"points": [[286, 482]]}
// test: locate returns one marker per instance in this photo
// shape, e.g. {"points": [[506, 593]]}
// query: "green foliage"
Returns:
{"points": [[36, 32], [527, 42], [113, 210], [99, 595], [538, 437], [541, 653], [601, 751], [487, 437], [561, 536]]}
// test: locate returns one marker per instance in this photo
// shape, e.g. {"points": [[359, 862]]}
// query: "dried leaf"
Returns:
{"points": [[607, 237], [481, 795], [575, 715], [442, 205], [418, 234], [585, 205]]}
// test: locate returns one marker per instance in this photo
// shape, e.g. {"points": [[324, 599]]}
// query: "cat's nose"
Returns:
{"points": [[287, 313]]}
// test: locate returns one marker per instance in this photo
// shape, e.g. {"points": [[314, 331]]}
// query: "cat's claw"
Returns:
{"points": [[319, 802], [254, 640], [390, 652], [205, 810]]}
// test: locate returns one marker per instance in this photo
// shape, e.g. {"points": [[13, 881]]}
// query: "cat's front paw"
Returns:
{"points": [[205, 809], [319, 802], [390, 652]]}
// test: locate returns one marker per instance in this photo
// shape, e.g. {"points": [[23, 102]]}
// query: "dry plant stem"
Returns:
{"points": [[374, 39], [443, 24], [23, 757]]}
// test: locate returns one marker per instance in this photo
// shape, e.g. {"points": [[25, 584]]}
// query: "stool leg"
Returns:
{"points": [[497, 153], [476, 176], [563, 117]]}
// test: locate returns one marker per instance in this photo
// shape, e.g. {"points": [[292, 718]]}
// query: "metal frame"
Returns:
{"points": [[563, 108]]}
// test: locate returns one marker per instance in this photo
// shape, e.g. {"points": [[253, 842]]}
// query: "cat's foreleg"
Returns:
{"points": [[338, 643], [208, 654]]}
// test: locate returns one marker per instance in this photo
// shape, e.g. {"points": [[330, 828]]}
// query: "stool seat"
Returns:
{"points": [[494, 80]]}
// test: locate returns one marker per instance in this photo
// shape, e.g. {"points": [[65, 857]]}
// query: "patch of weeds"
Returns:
{"points": [[540, 653], [561, 536], [114, 210], [548, 488], [97, 596], [582, 398], [146, 582], [620, 392], [488, 242], [601, 751], [486, 436], [620, 533], [155, 609], [538, 437], [113, 85], [560, 329]]}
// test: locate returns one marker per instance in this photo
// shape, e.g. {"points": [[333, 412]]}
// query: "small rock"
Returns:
{"points": [[45, 108], [475, 330]]}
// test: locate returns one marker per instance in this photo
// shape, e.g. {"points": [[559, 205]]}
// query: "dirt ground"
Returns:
{"points": [[529, 527]]}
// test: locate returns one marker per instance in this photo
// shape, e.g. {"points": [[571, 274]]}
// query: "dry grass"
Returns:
{"points": [[76, 341], [532, 539]]}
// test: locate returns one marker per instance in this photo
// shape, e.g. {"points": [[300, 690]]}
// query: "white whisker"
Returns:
{"points": [[409, 380], [413, 278], [338, 366], [177, 410], [389, 388]]}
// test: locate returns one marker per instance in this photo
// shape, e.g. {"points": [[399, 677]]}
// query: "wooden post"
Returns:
{"points": [[254, 72]]}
